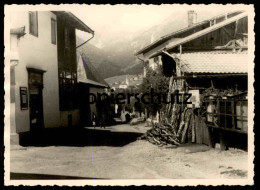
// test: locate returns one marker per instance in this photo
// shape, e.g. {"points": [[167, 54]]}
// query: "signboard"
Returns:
{"points": [[24, 98], [195, 99], [35, 78]]}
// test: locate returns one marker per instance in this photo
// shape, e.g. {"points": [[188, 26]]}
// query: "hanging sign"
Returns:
{"points": [[24, 98]]}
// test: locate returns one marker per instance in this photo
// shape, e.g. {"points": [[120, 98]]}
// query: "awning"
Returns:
{"points": [[74, 21]]}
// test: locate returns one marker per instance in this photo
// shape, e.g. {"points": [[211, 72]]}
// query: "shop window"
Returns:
{"points": [[33, 23]]}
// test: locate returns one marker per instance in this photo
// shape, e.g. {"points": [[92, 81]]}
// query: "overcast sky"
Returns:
{"points": [[112, 22], [118, 22], [122, 19]]}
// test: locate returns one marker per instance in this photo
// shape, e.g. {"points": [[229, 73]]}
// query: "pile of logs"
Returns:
{"points": [[173, 132], [176, 123]]}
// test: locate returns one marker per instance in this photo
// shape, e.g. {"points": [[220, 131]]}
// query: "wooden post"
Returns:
{"points": [[212, 143], [233, 114], [223, 145]]}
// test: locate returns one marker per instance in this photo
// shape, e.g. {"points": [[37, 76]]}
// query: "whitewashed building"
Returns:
{"points": [[43, 63]]}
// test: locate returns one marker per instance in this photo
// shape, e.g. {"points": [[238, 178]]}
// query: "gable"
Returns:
{"points": [[81, 71]]}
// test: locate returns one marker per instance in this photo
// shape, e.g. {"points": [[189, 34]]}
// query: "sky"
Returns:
{"points": [[123, 18], [111, 22]]}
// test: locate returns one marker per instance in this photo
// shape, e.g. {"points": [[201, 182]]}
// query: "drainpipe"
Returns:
{"points": [[140, 59], [86, 41], [144, 65]]}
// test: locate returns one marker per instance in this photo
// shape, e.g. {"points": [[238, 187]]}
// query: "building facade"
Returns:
{"points": [[40, 42], [152, 57]]}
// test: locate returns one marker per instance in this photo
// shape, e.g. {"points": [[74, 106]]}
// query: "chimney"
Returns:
{"points": [[192, 17]]}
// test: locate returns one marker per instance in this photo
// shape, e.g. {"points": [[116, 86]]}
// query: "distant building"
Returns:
{"points": [[124, 84], [89, 81]]}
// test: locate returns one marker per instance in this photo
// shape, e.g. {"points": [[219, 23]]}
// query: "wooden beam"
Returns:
{"points": [[227, 32], [180, 49], [212, 48], [210, 76], [208, 30]]}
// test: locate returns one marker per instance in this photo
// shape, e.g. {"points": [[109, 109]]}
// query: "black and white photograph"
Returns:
{"points": [[129, 94]]}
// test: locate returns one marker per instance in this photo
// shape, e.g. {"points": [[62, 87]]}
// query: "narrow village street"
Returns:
{"points": [[114, 153]]}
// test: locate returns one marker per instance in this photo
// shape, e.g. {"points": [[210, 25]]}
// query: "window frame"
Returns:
{"points": [[68, 90], [67, 42], [32, 33], [55, 31]]}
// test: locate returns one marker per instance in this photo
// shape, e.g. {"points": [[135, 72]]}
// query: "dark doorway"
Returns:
{"points": [[35, 83], [36, 108], [84, 106]]}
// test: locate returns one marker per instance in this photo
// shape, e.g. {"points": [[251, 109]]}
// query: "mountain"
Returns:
{"points": [[112, 61], [116, 57], [99, 59]]}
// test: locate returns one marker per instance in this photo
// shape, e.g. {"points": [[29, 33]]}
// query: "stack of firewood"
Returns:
{"points": [[179, 129]]}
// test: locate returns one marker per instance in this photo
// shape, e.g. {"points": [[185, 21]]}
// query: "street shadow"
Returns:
{"points": [[77, 137], [32, 176]]}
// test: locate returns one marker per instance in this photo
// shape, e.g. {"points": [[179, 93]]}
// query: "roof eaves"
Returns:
{"points": [[207, 30], [78, 23], [169, 36]]}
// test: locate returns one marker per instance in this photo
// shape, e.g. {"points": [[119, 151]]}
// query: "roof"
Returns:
{"points": [[93, 76], [196, 35], [73, 20], [207, 30], [95, 83], [214, 62], [169, 36]]}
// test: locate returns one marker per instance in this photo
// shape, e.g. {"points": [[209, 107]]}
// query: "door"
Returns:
{"points": [[36, 108]]}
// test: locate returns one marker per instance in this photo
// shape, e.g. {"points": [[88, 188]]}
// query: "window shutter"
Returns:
{"points": [[33, 21]]}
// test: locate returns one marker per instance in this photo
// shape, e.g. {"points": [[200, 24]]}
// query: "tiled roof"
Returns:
{"points": [[214, 62]]}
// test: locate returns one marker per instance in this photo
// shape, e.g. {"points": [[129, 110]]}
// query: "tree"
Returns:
{"points": [[159, 83]]}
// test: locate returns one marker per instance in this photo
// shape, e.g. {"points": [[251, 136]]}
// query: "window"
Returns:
{"points": [[67, 50], [67, 38], [33, 22], [68, 90], [12, 80], [156, 60], [53, 31]]}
